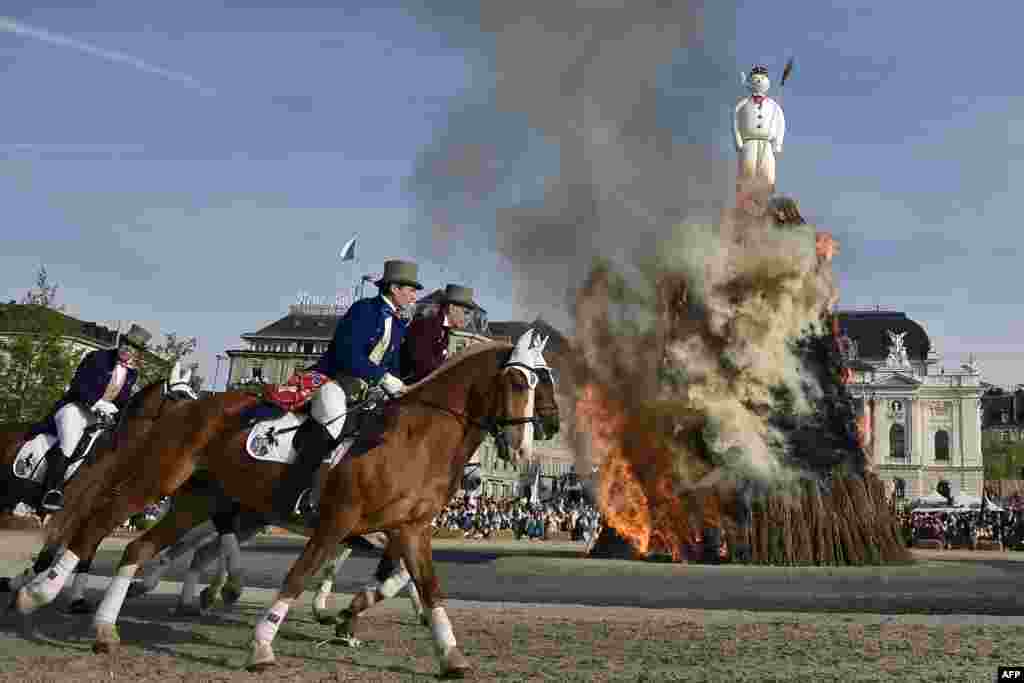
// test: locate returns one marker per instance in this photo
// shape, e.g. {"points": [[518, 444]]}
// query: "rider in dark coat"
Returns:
{"points": [[102, 383], [426, 345]]}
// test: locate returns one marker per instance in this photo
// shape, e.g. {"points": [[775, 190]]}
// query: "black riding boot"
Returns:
{"points": [[313, 442], [56, 466]]}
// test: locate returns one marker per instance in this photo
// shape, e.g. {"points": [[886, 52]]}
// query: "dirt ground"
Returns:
{"points": [[511, 642]]}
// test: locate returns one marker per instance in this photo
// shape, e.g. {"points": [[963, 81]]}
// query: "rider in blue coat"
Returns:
{"points": [[365, 347]]}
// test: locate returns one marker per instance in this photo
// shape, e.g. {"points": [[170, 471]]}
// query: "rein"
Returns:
{"points": [[168, 392]]}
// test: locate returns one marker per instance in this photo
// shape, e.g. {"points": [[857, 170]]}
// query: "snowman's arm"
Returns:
{"points": [[736, 124], [780, 129]]}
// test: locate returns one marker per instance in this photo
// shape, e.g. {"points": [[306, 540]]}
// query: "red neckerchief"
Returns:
{"points": [[758, 99]]}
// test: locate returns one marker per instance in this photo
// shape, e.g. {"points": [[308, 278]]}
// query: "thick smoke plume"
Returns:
{"points": [[597, 143], [594, 138]]}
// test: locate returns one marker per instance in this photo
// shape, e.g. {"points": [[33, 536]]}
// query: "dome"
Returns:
{"points": [[868, 330]]}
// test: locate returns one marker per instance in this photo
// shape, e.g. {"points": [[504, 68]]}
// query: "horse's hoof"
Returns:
{"points": [[107, 639], [454, 664], [138, 589], [207, 599], [348, 640], [81, 606], [323, 616], [187, 611], [231, 592], [261, 656], [5, 584]]}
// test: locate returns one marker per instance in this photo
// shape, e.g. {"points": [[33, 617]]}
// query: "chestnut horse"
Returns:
{"points": [[391, 578], [140, 413], [397, 486]]}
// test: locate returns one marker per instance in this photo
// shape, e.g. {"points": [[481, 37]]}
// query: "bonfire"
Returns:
{"points": [[712, 402]]}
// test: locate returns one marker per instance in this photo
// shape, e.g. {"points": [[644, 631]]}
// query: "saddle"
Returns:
{"points": [[296, 392]]}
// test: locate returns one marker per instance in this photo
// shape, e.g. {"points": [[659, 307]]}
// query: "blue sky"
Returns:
{"points": [[193, 166]]}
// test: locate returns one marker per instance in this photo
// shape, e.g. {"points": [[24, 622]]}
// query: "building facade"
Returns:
{"points": [[922, 423]]}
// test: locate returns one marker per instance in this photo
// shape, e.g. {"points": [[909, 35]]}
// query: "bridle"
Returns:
{"points": [[493, 426]]}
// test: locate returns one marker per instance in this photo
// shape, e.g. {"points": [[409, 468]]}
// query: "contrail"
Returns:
{"points": [[12, 26]]}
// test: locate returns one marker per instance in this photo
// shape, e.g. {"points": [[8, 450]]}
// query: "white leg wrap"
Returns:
{"points": [[395, 583], [322, 593], [49, 583], [78, 586], [414, 598], [444, 637], [113, 599], [190, 588], [267, 627], [232, 553]]}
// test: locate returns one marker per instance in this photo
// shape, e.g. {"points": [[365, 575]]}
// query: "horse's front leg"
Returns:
{"points": [[335, 525], [321, 608], [414, 543], [137, 553], [389, 580]]}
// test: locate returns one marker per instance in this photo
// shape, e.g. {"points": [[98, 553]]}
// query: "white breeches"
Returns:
{"points": [[757, 160], [328, 403], [71, 421]]}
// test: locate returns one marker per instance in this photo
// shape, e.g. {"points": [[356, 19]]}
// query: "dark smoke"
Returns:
{"points": [[592, 128]]}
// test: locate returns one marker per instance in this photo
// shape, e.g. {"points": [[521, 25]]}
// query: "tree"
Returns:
{"points": [[172, 350], [36, 363]]}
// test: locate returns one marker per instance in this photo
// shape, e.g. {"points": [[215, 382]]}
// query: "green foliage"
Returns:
{"points": [[36, 364], [162, 356], [1003, 460]]}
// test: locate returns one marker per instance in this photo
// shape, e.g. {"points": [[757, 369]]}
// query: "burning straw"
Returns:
{"points": [[712, 366]]}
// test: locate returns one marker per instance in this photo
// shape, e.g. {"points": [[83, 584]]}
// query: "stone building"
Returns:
{"points": [[274, 352], [922, 422]]}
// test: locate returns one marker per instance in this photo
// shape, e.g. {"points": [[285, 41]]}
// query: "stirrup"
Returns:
{"points": [[53, 501]]}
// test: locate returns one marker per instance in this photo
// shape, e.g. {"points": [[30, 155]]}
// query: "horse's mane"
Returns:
{"points": [[461, 357], [131, 406]]}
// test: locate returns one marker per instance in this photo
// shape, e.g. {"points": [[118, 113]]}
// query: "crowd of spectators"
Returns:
{"points": [[968, 526], [482, 517]]}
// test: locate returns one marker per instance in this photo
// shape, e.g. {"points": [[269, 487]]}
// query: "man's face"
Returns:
{"points": [[456, 316], [127, 355], [759, 84], [403, 295]]}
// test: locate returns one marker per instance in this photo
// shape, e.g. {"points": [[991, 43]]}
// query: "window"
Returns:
{"points": [[900, 488], [257, 372], [307, 347], [1005, 415], [1005, 435], [942, 445], [897, 442]]}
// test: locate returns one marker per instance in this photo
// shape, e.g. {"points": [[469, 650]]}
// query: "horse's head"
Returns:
{"points": [[545, 407], [516, 393], [179, 385], [148, 402]]}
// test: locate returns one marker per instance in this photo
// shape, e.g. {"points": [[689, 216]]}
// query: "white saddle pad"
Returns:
{"points": [[30, 463], [266, 442]]}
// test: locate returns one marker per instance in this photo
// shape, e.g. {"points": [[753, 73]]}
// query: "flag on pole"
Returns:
{"points": [[348, 252]]}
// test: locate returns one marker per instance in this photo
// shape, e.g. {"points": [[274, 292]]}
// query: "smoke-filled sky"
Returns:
{"points": [[194, 167]]}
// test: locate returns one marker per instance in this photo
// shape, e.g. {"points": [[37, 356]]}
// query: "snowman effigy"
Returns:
{"points": [[759, 128]]}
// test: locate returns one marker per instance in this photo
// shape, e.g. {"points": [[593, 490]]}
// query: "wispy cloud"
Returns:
{"points": [[11, 26]]}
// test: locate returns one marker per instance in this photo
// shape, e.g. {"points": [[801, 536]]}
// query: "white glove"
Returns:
{"points": [[105, 407], [393, 385]]}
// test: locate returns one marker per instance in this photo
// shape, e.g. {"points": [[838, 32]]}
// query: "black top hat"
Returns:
{"points": [[460, 296], [137, 337], [759, 69], [400, 273]]}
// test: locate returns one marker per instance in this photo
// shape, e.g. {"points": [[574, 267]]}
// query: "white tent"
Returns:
{"points": [[961, 501]]}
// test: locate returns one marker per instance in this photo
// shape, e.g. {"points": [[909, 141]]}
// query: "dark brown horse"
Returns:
{"points": [[139, 416], [397, 486]]}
